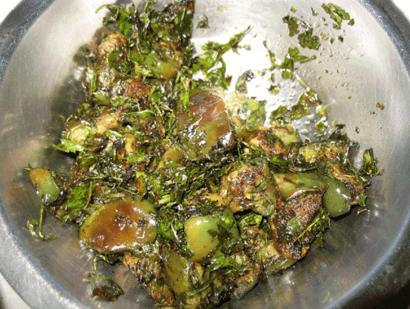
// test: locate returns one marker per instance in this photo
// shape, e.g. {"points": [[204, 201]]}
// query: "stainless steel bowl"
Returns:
{"points": [[365, 259]]}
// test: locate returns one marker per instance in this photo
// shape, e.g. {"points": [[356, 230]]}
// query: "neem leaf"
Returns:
{"points": [[292, 23], [308, 40], [369, 166], [78, 200], [68, 146], [337, 14]]}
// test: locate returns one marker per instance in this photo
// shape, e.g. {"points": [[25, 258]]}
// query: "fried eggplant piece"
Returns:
{"points": [[249, 187]]}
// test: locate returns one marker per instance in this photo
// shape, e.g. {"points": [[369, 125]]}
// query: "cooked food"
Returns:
{"points": [[199, 192]]}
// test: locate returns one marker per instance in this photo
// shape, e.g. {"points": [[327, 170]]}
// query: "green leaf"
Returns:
{"points": [[294, 56], [301, 108], [137, 157], [308, 40], [337, 14], [250, 219], [361, 200], [287, 66], [210, 62], [369, 166], [292, 23], [117, 60], [77, 201], [36, 227], [251, 112], [293, 226], [121, 16], [220, 260], [68, 146], [319, 224]]}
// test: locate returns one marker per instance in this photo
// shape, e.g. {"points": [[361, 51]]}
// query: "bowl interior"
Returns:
{"points": [[41, 87]]}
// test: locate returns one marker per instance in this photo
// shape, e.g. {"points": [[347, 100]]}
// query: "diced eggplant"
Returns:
{"points": [[129, 146], [337, 199], [276, 141], [107, 122], [287, 134], [177, 269], [201, 235], [173, 155], [161, 293], [295, 223], [110, 43], [311, 153], [289, 184], [314, 152], [135, 89], [258, 244], [304, 206], [205, 125], [104, 288], [146, 266], [348, 176], [249, 187], [78, 133], [45, 185], [247, 281], [119, 226]]}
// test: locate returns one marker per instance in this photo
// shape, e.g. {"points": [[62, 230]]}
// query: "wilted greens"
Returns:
{"points": [[200, 195], [338, 15]]}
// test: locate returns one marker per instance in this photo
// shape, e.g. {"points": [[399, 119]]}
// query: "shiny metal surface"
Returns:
{"points": [[365, 258]]}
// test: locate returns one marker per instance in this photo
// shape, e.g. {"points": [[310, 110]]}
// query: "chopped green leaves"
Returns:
{"points": [[305, 32], [68, 146], [300, 109], [35, 227], [77, 202], [308, 40], [306, 37], [294, 56], [121, 16], [337, 14], [117, 60], [137, 157], [292, 23], [288, 65], [211, 63], [250, 219], [177, 271], [369, 165], [250, 113]]}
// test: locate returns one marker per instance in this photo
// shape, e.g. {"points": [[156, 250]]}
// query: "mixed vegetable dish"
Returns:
{"points": [[200, 194]]}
